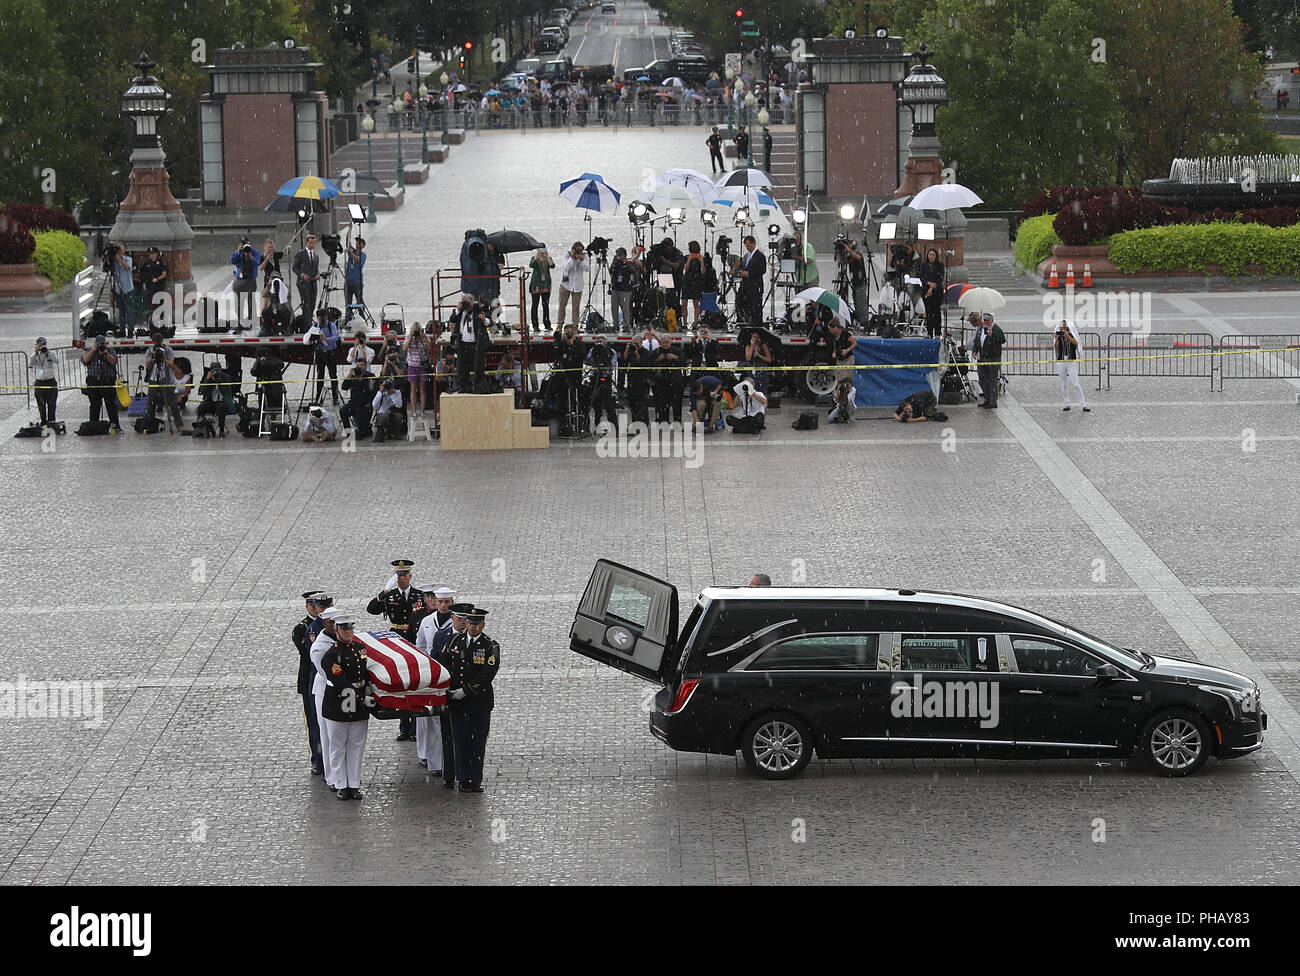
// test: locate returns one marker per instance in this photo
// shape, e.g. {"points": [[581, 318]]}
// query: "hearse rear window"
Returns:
{"points": [[819, 652]]}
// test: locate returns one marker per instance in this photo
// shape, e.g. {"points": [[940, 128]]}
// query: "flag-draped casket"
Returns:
{"points": [[401, 675]]}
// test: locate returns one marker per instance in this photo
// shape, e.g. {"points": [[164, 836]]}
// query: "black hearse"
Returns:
{"points": [[780, 672]]}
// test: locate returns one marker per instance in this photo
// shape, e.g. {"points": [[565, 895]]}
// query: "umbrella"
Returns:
{"points": [[713, 83], [283, 204], [828, 299], [753, 198], [590, 192], [492, 91], [694, 181], [372, 102], [509, 241], [905, 217], [945, 196], [643, 78], [674, 82], [668, 195], [309, 187], [363, 183], [953, 292], [460, 87], [982, 300], [744, 177]]}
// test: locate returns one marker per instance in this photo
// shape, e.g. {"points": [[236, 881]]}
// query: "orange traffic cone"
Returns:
{"points": [[1087, 274], [1054, 279], [1069, 274]]}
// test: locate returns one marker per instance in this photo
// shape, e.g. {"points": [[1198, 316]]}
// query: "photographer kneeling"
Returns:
{"points": [[359, 385], [320, 425], [846, 401], [390, 421], [918, 407], [160, 376]]}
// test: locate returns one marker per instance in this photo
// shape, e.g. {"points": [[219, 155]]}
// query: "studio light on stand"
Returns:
{"points": [[925, 231], [708, 218], [742, 216], [676, 215], [888, 230], [847, 212], [799, 217]]}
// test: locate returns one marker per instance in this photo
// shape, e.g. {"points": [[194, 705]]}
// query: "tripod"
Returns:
{"points": [[329, 283], [599, 280]]}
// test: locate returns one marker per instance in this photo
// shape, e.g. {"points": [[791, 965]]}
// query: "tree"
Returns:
{"points": [[1029, 107], [1185, 81], [716, 26]]}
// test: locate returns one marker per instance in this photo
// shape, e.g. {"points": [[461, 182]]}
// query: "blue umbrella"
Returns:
{"points": [[590, 192], [644, 78], [492, 91], [309, 188]]}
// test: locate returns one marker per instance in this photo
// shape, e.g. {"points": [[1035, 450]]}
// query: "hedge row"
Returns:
{"points": [[1034, 240], [59, 255], [1193, 247], [35, 217]]}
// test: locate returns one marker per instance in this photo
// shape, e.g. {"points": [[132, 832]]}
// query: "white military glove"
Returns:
{"points": [[458, 694]]}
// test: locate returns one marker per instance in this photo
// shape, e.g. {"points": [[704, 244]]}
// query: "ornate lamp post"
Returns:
{"points": [[446, 96], [424, 124], [368, 126], [397, 116], [923, 91], [731, 106]]}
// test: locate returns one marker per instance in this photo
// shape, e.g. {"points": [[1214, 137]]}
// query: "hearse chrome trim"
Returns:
{"points": [[750, 637]]}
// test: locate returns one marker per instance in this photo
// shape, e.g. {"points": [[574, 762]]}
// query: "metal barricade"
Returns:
{"points": [[1259, 357], [1165, 354], [1034, 354], [15, 380]]}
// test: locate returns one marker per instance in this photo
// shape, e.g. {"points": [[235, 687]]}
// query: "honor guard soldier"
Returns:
{"points": [[398, 601], [303, 634], [428, 728], [323, 642], [440, 651], [475, 658], [346, 713]]}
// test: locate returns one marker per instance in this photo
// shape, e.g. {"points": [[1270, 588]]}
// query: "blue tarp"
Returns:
{"points": [[887, 387]]}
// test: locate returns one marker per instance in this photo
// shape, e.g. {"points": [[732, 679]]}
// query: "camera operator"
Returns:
{"points": [[706, 407], [748, 416], [470, 341], [101, 382], [693, 281], [246, 260], [387, 405], [845, 402], [756, 359], [153, 275], [703, 351], [306, 272], [359, 385], [160, 376], [1067, 363], [931, 273], [903, 262], [669, 384], [636, 378], [46, 381], [274, 292], [320, 425], [325, 344], [604, 361], [119, 264], [918, 407], [843, 346], [566, 366], [820, 341], [353, 274], [752, 269], [622, 282], [847, 250], [360, 351], [574, 268]]}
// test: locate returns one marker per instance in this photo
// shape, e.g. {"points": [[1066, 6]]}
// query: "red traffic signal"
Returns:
{"points": [[739, 14], [469, 45]]}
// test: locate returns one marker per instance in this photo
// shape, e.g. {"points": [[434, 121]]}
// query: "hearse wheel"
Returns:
{"points": [[777, 746], [1175, 742]]}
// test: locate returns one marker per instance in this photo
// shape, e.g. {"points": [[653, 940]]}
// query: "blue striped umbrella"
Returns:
{"points": [[590, 192]]}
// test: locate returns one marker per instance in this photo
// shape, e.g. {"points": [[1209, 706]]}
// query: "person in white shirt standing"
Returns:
{"points": [[573, 278], [323, 642], [428, 729], [1067, 363], [46, 371]]}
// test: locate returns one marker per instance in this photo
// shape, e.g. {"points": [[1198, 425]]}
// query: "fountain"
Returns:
{"points": [[1216, 181]]}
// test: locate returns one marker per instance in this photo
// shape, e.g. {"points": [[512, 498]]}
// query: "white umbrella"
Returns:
{"points": [[758, 201], [667, 195], [695, 183], [675, 82], [945, 196], [982, 300]]}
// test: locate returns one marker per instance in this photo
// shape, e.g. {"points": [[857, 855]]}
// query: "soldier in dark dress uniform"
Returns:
{"points": [[345, 708], [399, 601], [303, 634], [475, 659], [439, 650]]}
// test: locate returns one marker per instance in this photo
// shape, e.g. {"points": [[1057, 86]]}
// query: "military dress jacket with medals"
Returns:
{"points": [[399, 608], [474, 662], [345, 695], [302, 639]]}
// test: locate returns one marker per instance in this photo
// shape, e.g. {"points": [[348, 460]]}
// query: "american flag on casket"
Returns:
{"points": [[401, 675]]}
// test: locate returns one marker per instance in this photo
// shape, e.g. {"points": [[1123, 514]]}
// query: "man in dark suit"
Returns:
{"points": [[306, 271], [988, 347], [752, 270]]}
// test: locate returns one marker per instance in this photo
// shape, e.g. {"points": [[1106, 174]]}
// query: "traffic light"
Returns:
{"points": [[466, 50], [410, 64], [740, 14]]}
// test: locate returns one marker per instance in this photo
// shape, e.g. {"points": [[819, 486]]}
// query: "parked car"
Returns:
{"points": [[608, 8], [781, 673], [547, 44], [688, 69]]}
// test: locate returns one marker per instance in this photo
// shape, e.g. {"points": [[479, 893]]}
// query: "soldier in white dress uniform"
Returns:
{"points": [[323, 642], [428, 729]]}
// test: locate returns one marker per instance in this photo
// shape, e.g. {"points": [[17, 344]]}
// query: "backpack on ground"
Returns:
{"points": [[94, 428], [807, 420]]}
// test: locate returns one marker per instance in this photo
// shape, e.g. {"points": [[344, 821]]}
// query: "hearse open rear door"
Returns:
{"points": [[627, 620]]}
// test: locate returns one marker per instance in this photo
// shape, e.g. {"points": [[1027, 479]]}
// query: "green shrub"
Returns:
{"points": [[59, 255], [1034, 241], [1195, 246]]}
